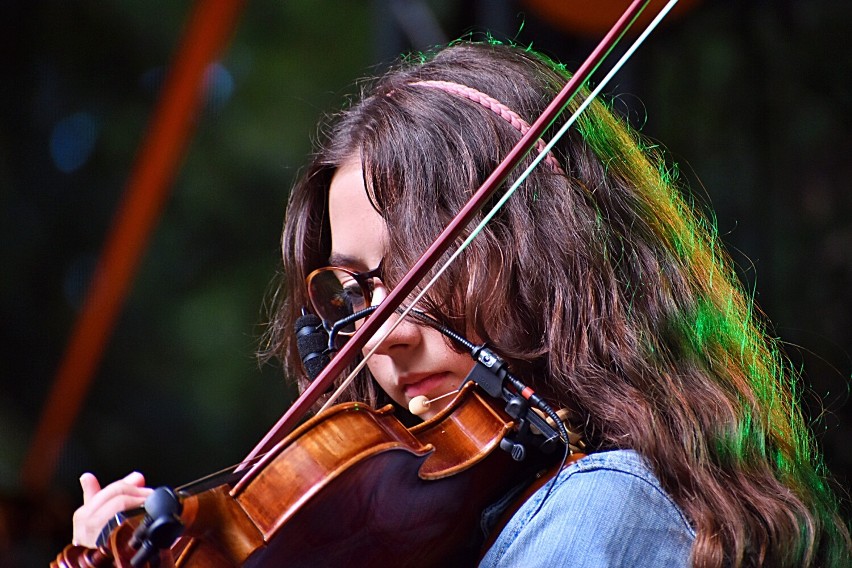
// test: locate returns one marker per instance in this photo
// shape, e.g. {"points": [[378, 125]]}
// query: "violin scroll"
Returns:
{"points": [[74, 556], [116, 553]]}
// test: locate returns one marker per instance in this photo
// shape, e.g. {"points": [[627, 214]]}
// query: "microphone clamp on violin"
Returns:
{"points": [[492, 375], [160, 528]]}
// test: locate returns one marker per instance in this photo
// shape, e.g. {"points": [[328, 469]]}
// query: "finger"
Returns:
{"points": [[89, 519], [117, 489], [135, 478], [90, 486], [117, 493]]}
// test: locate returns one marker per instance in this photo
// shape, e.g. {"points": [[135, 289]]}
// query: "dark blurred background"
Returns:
{"points": [[752, 100]]}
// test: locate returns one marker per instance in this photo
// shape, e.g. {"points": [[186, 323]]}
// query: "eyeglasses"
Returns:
{"points": [[336, 293]]}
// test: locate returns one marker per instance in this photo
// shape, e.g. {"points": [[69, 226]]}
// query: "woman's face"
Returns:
{"points": [[414, 360]]}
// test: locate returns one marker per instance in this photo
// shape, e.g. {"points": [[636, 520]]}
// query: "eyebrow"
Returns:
{"points": [[346, 261]]}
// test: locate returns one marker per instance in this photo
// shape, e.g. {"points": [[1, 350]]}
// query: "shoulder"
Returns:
{"points": [[607, 509]]}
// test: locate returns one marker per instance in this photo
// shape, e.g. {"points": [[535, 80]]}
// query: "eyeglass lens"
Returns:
{"points": [[336, 294]]}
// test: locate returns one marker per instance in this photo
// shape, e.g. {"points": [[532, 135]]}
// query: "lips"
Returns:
{"points": [[425, 385]]}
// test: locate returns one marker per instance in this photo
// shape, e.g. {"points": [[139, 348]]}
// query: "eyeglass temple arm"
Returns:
{"points": [[337, 326]]}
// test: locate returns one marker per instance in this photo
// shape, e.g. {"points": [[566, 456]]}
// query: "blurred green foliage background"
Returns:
{"points": [[753, 100]]}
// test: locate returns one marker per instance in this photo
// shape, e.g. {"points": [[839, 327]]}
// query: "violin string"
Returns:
{"points": [[494, 210], [187, 489], [203, 482]]}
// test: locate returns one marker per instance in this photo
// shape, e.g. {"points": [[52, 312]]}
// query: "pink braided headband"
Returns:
{"points": [[494, 105]]}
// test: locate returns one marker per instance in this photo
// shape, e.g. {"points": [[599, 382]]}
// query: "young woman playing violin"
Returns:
{"points": [[600, 287]]}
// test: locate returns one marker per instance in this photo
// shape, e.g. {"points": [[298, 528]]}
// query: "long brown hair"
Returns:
{"points": [[600, 284]]}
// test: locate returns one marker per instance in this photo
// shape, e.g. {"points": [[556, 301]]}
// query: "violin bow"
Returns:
{"points": [[458, 224], [543, 153]]}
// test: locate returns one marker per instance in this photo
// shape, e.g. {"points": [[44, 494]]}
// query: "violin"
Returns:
{"points": [[411, 496], [398, 488]]}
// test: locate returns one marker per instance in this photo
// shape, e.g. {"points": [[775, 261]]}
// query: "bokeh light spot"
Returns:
{"points": [[219, 86], [72, 141]]}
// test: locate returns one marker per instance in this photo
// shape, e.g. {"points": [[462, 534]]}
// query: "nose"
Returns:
{"points": [[405, 335]]}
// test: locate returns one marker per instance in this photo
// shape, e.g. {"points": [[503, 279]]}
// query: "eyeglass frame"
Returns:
{"points": [[363, 279]]}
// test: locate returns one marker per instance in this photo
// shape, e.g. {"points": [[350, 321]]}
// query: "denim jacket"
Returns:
{"points": [[607, 509]]}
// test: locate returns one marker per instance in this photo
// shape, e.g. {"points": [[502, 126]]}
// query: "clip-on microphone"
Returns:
{"points": [[315, 339], [312, 342], [492, 375]]}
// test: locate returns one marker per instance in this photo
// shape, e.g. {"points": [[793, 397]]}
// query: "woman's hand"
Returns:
{"points": [[100, 505]]}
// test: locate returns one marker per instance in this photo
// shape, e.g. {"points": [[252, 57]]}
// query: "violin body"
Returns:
{"points": [[354, 487]]}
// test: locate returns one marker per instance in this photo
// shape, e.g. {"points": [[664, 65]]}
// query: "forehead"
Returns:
{"points": [[358, 232]]}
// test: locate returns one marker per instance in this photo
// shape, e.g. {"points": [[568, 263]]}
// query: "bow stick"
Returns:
{"points": [[452, 231], [543, 153]]}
